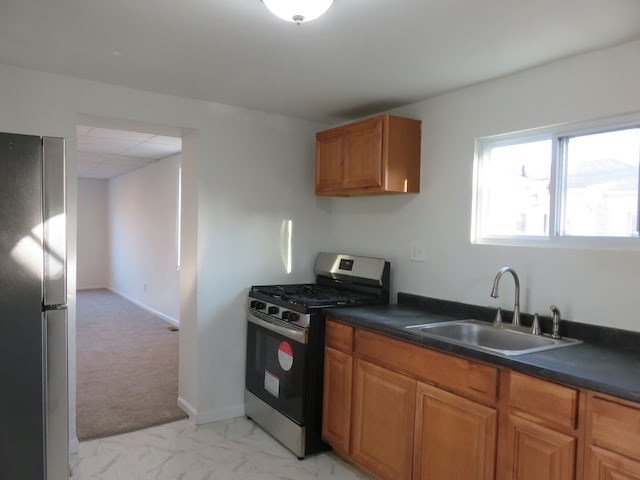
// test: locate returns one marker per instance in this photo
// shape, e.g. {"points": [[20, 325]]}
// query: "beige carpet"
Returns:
{"points": [[127, 367]]}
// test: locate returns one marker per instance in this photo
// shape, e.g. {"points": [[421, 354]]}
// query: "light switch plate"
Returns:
{"points": [[418, 251]]}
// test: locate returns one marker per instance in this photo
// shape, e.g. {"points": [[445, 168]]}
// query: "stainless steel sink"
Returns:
{"points": [[507, 340]]}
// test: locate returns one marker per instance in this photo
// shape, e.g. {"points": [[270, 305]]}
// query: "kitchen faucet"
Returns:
{"points": [[494, 292]]}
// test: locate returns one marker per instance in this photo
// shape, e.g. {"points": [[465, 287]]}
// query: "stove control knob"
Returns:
{"points": [[258, 305], [285, 316], [273, 310], [293, 317]]}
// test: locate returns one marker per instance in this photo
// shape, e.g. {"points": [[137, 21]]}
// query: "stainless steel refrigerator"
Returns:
{"points": [[34, 434]]}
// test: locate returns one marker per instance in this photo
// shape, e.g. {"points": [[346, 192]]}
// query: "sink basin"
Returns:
{"points": [[508, 340]]}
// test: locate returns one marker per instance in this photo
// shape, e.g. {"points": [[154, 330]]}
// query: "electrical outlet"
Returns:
{"points": [[418, 251]]}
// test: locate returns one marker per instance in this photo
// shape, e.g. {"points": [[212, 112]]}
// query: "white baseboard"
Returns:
{"points": [[212, 415], [188, 409], [94, 287], [147, 308]]}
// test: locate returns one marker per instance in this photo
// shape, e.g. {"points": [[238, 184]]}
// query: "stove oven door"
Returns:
{"points": [[276, 362]]}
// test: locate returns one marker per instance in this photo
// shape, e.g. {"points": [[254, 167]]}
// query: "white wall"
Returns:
{"points": [[257, 174], [143, 207], [598, 287], [244, 173], [93, 234]]}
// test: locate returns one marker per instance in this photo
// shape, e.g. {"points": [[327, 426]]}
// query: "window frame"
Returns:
{"points": [[555, 236]]}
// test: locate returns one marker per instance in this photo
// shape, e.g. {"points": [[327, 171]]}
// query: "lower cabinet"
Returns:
{"points": [[336, 405], [383, 420], [401, 411], [541, 429], [605, 465], [536, 452], [613, 438], [455, 438]]}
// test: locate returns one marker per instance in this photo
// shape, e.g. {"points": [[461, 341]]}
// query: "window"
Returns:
{"points": [[554, 184]]}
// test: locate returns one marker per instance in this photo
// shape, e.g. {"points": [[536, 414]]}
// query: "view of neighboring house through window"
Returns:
{"points": [[515, 189], [601, 184], [561, 183]]}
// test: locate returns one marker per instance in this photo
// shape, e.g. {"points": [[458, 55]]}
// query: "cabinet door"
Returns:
{"points": [[363, 158], [454, 438], [330, 151], [536, 452], [383, 421], [605, 465], [336, 406]]}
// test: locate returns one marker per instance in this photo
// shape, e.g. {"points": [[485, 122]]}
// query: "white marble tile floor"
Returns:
{"points": [[235, 449]]}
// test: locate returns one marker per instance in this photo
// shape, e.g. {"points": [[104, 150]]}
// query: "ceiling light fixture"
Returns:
{"points": [[298, 11]]}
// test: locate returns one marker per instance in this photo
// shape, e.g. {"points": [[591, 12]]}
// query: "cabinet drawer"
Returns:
{"points": [[470, 379], [546, 400], [615, 427], [339, 336]]}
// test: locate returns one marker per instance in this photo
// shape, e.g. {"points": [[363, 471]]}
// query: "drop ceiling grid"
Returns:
{"points": [[105, 153]]}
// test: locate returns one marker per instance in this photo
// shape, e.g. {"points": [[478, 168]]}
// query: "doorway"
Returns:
{"points": [[128, 297]]}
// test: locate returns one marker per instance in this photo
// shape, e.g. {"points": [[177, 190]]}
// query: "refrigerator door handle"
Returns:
{"points": [[54, 239]]}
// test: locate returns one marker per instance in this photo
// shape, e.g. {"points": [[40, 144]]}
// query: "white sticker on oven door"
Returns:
{"points": [[285, 356], [271, 383]]}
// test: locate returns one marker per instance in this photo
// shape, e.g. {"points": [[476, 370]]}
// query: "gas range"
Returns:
{"points": [[341, 280], [285, 345]]}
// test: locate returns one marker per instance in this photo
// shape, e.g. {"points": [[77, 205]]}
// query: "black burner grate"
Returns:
{"points": [[315, 295]]}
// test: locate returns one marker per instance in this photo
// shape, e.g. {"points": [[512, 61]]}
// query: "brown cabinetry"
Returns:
{"points": [[383, 420], [537, 452], [403, 411], [606, 465], [451, 433], [613, 439], [454, 437], [372, 156], [541, 429], [338, 381], [336, 406]]}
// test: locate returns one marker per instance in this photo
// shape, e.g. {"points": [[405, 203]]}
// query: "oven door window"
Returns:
{"points": [[275, 370]]}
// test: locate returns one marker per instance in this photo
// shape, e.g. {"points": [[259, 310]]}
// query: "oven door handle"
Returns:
{"points": [[296, 335]]}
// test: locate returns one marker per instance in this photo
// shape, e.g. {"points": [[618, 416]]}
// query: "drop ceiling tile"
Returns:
{"points": [[85, 170], [84, 156], [164, 140], [120, 134], [105, 153], [104, 145], [152, 150]]}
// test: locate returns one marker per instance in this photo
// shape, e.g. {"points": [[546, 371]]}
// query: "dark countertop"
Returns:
{"points": [[611, 368]]}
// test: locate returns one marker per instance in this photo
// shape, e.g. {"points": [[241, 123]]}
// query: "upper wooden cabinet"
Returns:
{"points": [[373, 156]]}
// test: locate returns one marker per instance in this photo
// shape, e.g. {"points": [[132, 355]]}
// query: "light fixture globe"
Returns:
{"points": [[298, 11]]}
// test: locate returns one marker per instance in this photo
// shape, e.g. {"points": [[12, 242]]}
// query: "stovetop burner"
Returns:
{"points": [[313, 295]]}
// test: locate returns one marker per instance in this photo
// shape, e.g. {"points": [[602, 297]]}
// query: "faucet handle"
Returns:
{"points": [[498, 320], [535, 327]]}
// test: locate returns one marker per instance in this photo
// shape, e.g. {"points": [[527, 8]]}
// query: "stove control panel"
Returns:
{"points": [[281, 313]]}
